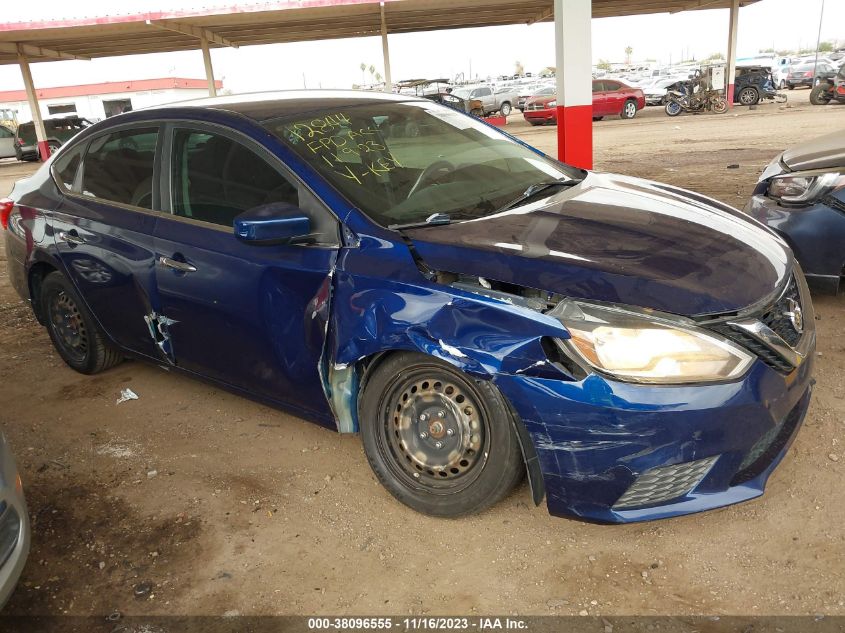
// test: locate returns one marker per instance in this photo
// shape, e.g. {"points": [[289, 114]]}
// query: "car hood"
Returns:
{"points": [[618, 239], [819, 153]]}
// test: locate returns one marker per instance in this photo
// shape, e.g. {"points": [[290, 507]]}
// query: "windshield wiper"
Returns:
{"points": [[434, 219], [536, 188]]}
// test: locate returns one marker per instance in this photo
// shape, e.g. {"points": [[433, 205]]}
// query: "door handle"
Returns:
{"points": [[71, 238], [175, 264]]}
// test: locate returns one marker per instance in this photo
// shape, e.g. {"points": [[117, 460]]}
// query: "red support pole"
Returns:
{"points": [[574, 82]]}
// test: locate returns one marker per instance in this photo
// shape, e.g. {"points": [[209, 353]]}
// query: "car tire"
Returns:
{"points": [[820, 95], [790, 86], [748, 96], [72, 329], [536, 123], [505, 109], [629, 109], [440, 441], [597, 118]]}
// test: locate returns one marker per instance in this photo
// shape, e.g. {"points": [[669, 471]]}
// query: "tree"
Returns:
{"points": [[826, 47], [714, 57], [363, 70], [378, 77], [628, 52], [603, 65]]}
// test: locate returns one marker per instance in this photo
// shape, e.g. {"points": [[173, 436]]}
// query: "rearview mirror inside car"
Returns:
{"points": [[274, 223]]}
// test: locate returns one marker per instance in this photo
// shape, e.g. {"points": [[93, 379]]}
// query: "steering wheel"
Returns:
{"points": [[428, 172]]}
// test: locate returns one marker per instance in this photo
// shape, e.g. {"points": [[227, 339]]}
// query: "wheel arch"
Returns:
{"points": [[37, 273], [365, 368]]}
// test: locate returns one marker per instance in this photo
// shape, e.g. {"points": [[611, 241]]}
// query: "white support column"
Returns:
{"points": [[730, 75], [573, 45], [38, 122], [388, 82], [209, 71]]}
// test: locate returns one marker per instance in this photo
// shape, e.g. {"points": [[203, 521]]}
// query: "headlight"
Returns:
{"points": [[639, 347], [804, 187], [551, 104]]}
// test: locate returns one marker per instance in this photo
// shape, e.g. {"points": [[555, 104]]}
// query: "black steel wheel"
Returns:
{"points": [[438, 440], [75, 335]]}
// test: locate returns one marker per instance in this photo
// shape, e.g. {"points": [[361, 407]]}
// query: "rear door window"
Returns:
{"points": [[118, 167], [66, 166]]}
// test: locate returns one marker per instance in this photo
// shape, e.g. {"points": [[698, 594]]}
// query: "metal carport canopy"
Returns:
{"points": [[280, 21]]}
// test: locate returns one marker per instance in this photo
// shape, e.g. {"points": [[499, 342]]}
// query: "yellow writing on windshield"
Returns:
{"points": [[351, 150]]}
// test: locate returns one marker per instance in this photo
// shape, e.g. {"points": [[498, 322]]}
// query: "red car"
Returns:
{"points": [[609, 97]]}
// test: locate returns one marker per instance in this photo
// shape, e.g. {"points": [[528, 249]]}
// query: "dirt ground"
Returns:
{"points": [[226, 506]]}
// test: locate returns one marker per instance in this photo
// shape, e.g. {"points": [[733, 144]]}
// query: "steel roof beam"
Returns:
{"points": [[36, 51], [194, 31]]}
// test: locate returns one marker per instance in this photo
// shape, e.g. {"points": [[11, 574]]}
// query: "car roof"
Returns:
{"points": [[262, 106]]}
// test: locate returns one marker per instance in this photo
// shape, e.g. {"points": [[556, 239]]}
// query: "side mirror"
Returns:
{"points": [[273, 223]]}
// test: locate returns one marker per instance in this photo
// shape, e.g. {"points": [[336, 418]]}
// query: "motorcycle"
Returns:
{"points": [[685, 100]]}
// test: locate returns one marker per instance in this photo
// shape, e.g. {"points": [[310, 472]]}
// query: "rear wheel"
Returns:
{"points": [[629, 110], [505, 109], [748, 96], [75, 335], [597, 118], [720, 105], [790, 86], [820, 95], [441, 442]]}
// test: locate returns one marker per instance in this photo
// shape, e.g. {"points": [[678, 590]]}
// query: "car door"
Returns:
{"points": [[599, 99], [486, 96], [245, 315], [7, 142], [614, 97], [103, 229]]}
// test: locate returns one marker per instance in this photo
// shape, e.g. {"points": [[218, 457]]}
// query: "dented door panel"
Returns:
{"points": [[249, 316]]}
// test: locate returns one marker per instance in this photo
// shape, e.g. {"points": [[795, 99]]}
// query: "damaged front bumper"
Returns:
{"points": [[617, 452]]}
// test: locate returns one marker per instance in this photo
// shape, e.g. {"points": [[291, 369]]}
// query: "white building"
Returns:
{"points": [[98, 101]]}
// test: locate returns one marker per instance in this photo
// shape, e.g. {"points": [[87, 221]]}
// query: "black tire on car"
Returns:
{"points": [[629, 109], [597, 118], [440, 441], [748, 96], [790, 86], [820, 94], [505, 108], [75, 335]]}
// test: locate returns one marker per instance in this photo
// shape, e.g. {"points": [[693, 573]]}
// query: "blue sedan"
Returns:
{"points": [[476, 310], [801, 196]]}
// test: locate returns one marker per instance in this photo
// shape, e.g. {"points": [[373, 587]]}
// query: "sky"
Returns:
{"points": [[779, 24]]}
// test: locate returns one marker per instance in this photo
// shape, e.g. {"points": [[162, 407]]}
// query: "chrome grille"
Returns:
{"points": [[771, 335], [776, 318], [664, 483]]}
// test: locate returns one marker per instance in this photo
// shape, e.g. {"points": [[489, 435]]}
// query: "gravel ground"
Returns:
{"points": [[202, 502]]}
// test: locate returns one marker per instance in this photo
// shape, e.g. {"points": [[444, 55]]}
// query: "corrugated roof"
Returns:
{"points": [[286, 21]]}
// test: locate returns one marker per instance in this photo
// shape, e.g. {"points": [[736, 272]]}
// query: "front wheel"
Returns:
{"points": [[629, 110], [75, 335], [505, 109], [673, 108], [440, 441], [820, 95]]}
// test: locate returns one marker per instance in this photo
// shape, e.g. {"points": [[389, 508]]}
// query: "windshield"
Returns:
{"points": [[548, 90], [400, 163], [463, 93]]}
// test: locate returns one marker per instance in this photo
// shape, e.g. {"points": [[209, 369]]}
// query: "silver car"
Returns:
{"points": [[14, 523]]}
